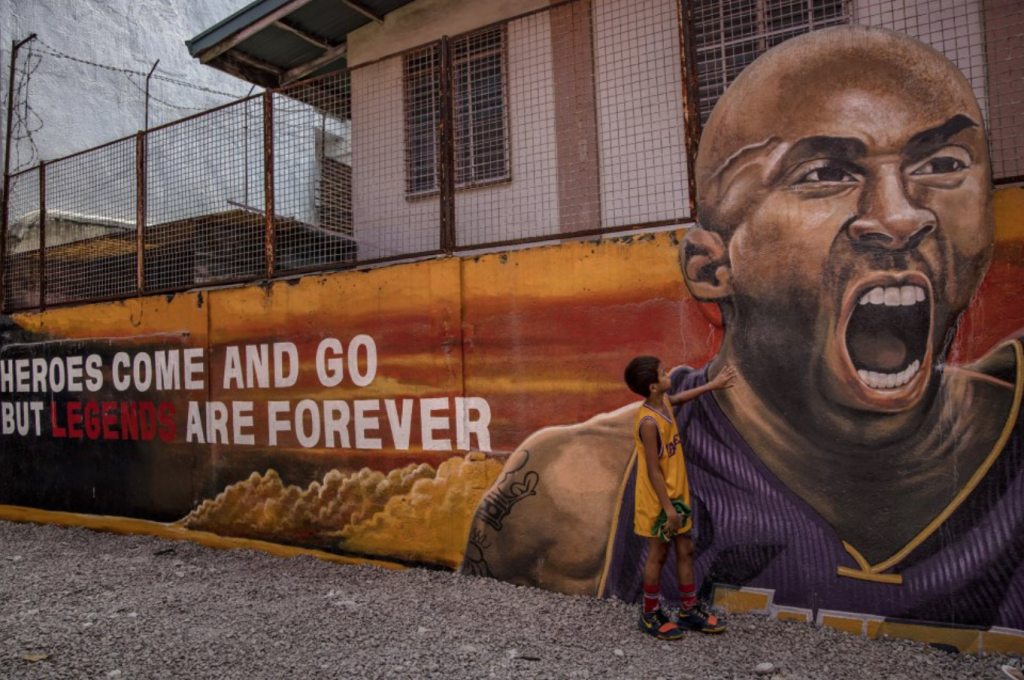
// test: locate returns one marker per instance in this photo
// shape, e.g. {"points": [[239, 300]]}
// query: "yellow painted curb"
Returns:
{"points": [[174, 532]]}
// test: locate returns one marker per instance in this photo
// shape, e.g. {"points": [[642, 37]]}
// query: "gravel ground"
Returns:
{"points": [[83, 604]]}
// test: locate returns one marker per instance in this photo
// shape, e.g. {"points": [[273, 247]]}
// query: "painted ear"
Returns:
{"points": [[704, 260]]}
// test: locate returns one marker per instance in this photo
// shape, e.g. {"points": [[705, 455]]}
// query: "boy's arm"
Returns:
{"points": [[649, 437], [724, 380]]}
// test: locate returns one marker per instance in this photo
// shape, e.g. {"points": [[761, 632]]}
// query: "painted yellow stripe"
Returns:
{"points": [[964, 639], [175, 532], [896, 579], [610, 543]]}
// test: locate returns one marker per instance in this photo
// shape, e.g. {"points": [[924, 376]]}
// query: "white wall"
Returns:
{"points": [[640, 130], [528, 205], [194, 169], [426, 20], [954, 27], [82, 106], [640, 112], [385, 224]]}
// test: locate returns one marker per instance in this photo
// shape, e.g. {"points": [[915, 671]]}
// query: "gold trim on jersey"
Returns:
{"points": [[873, 573], [609, 546]]}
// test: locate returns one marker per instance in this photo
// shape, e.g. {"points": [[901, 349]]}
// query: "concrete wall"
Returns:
{"points": [[387, 222], [80, 106], [384, 221], [637, 98], [427, 20], [640, 112], [954, 27]]}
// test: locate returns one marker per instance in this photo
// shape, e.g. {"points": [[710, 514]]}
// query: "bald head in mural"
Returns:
{"points": [[844, 226]]}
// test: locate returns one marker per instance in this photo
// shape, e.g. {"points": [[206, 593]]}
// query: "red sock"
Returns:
{"points": [[651, 599], [689, 595]]}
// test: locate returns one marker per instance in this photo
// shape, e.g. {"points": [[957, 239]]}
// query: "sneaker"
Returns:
{"points": [[699, 619], [659, 625]]}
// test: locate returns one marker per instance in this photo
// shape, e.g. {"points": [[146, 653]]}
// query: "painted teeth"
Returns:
{"points": [[888, 381], [894, 296]]}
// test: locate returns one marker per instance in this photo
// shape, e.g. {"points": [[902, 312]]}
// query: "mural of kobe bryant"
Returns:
{"points": [[844, 225]]}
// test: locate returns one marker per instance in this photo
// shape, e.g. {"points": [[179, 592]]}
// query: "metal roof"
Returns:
{"points": [[272, 43]]}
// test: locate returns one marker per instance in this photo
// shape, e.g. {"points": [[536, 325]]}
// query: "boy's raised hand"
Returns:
{"points": [[725, 378]]}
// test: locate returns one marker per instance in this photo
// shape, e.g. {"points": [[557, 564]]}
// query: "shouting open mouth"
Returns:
{"points": [[886, 322]]}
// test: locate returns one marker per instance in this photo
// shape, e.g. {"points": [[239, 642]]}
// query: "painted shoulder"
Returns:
{"points": [[685, 377], [615, 426], [546, 520], [1002, 362]]}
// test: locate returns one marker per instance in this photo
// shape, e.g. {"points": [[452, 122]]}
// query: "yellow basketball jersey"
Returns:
{"points": [[670, 461]]}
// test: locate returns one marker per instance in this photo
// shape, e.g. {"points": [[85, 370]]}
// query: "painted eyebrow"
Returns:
{"points": [[928, 141], [848, 149]]}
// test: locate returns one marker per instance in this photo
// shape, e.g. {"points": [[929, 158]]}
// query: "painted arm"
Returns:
{"points": [[649, 437], [723, 381]]}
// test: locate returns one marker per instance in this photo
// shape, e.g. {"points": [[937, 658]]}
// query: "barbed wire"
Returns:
{"points": [[154, 98], [54, 52], [25, 121]]}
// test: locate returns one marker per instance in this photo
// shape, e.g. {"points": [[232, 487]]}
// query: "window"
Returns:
{"points": [[730, 34], [480, 107], [422, 111]]}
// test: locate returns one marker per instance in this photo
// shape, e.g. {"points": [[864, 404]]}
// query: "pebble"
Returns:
{"points": [[764, 668], [264, 617]]}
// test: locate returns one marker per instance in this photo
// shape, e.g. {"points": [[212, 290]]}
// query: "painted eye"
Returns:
{"points": [[940, 166], [946, 161], [827, 173]]}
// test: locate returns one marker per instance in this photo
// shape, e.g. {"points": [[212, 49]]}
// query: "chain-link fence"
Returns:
{"points": [[204, 199], [578, 118], [23, 241], [984, 38], [91, 242]]}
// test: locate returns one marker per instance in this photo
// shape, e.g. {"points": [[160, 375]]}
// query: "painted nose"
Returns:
{"points": [[888, 220]]}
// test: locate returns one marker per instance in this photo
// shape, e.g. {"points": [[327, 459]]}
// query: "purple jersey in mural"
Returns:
{"points": [[753, 531]]}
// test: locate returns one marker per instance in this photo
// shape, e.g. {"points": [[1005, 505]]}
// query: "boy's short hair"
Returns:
{"points": [[641, 373]]}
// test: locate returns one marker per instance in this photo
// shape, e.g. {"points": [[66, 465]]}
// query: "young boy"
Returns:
{"points": [[660, 480]]}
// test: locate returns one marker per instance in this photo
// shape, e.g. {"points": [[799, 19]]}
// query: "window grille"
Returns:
{"points": [[481, 138], [422, 71], [481, 120], [731, 34]]}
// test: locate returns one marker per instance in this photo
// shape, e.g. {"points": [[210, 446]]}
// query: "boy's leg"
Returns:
{"points": [[652, 620], [691, 612], [684, 570]]}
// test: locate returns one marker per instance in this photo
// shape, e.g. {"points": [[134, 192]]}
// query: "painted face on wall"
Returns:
{"points": [[844, 191]]}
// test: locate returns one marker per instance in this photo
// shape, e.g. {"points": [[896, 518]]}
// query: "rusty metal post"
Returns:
{"points": [[3, 243], [148, 78], [5, 199], [140, 212], [269, 235], [268, 180], [691, 92], [446, 149], [42, 235], [15, 46]]}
